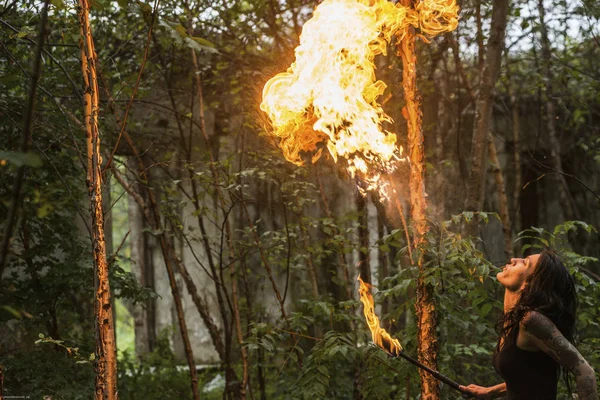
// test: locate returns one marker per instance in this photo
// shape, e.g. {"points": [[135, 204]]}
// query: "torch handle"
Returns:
{"points": [[433, 372]]}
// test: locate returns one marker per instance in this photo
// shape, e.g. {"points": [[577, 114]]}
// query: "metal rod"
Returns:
{"points": [[437, 375]]}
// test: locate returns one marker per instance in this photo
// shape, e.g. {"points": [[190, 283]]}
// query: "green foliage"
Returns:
{"points": [[331, 359], [157, 376], [46, 370]]}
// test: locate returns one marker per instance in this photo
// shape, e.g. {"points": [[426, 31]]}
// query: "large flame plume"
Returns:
{"points": [[328, 96], [380, 336]]}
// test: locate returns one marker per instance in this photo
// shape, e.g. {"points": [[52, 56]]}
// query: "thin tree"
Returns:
{"points": [[502, 198], [106, 360], [489, 72], [516, 131], [25, 139], [427, 344], [566, 198]]}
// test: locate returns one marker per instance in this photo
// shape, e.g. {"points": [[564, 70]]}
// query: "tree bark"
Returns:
{"points": [[382, 259], [484, 105], [502, 199], [340, 250], [426, 319], [138, 268], [518, 172], [165, 248], [364, 264], [310, 266], [566, 199], [1, 382], [497, 172], [106, 352]]}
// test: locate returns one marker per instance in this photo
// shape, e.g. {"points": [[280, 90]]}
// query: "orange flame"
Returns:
{"points": [[328, 96], [379, 335]]}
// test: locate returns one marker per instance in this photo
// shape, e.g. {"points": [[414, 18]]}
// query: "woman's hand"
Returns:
{"points": [[479, 392]]}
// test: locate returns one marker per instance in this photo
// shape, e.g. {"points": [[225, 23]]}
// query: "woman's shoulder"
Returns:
{"points": [[537, 324]]}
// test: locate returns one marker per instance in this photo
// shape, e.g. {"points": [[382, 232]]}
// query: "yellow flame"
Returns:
{"points": [[329, 94], [379, 335]]}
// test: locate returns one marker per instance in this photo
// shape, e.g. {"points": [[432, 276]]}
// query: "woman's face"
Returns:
{"points": [[515, 273]]}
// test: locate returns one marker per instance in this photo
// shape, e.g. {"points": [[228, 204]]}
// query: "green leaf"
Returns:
{"points": [[191, 43], [181, 30], [44, 210], [203, 42], [13, 311], [485, 310], [468, 216]]}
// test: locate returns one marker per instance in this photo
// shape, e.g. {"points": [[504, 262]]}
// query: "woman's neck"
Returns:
{"points": [[510, 299]]}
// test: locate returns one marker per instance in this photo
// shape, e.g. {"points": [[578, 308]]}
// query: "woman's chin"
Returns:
{"points": [[500, 276]]}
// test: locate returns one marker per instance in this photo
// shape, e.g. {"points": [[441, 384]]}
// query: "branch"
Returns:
{"points": [[566, 174], [25, 139], [135, 88], [112, 258], [75, 87]]}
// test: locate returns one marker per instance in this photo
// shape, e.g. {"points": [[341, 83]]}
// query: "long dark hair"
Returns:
{"points": [[549, 290]]}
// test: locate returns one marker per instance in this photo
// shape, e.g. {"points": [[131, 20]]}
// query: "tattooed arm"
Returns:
{"points": [[542, 333]]}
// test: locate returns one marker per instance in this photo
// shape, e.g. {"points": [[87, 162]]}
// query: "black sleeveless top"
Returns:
{"points": [[529, 375]]}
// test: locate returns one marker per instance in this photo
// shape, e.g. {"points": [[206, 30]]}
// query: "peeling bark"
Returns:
{"points": [[106, 352], [426, 317]]}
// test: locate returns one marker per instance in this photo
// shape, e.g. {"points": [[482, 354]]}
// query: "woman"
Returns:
{"points": [[536, 332]]}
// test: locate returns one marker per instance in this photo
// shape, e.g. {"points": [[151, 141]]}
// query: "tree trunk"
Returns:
{"points": [[502, 199], [425, 306], [138, 268], [228, 232], [340, 248], [1, 382], [518, 173], [11, 217], [364, 264], [169, 256], [516, 146], [566, 199], [106, 354], [382, 259], [228, 235], [310, 265], [484, 105]]}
